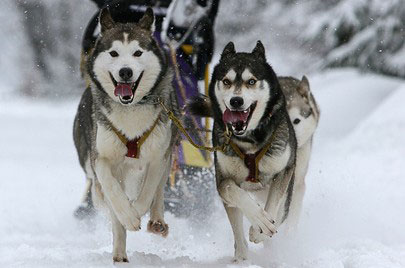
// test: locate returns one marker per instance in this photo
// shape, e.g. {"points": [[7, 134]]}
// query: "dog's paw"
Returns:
{"points": [[256, 235], [261, 220], [120, 257], [158, 227], [84, 212], [241, 251], [240, 256], [129, 219]]}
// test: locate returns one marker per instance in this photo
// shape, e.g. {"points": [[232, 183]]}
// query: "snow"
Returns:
{"points": [[353, 210], [354, 206]]}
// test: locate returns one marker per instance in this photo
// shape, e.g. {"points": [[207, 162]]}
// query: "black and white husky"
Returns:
{"points": [[304, 114], [123, 138], [258, 162]]}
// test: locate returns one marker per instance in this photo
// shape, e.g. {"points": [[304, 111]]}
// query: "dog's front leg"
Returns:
{"points": [[297, 199], [235, 217], [234, 196], [119, 239], [155, 174], [116, 197], [278, 190]]}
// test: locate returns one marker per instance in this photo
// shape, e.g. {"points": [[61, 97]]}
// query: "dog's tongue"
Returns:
{"points": [[235, 116], [123, 90]]}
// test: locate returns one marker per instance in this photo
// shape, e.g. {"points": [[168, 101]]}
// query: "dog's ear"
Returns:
{"points": [[228, 50], [147, 21], [105, 19], [259, 50], [303, 87]]}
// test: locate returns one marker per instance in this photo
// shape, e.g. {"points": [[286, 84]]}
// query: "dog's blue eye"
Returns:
{"points": [[226, 82], [251, 82], [138, 53], [114, 53]]}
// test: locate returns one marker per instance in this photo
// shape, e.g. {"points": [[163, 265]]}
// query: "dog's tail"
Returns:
{"points": [[200, 106]]}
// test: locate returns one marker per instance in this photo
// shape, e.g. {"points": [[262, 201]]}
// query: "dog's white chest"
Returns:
{"points": [[109, 145], [131, 172], [274, 164], [234, 167]]}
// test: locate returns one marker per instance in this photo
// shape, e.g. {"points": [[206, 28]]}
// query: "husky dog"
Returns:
{"points": [[304, 114], [259, 159], [123, 138]]}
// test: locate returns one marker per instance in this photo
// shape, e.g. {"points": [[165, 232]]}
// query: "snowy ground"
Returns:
{"points": [[353, 211]]}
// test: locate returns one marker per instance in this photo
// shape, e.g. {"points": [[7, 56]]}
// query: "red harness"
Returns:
{"points": [[133, 149], [134, 146], [251, 161]]}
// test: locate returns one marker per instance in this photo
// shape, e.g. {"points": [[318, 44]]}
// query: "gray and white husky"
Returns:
{"points": [[304, 114], [255, 172], [123, 138]]}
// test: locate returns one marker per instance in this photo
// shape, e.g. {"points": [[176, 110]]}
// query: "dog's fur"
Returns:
{"points": [[268, 119], [127, 187], [304, 114]]}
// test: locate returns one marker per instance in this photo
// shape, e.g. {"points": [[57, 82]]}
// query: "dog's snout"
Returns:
{"points": [[236, 102], [126, 73]]}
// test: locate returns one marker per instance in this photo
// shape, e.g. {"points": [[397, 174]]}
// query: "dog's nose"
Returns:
{"points": [[126, 73], [236, 102]]}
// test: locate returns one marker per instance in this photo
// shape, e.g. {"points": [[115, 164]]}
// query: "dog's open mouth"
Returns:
{"points": [[126, 90], [238, 120]]}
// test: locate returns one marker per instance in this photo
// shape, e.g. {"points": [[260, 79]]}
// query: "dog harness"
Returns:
{"points": [[252, 160], [134, 146]]}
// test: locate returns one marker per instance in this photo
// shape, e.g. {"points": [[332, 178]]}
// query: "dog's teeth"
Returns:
{"points": [[245, 111]]}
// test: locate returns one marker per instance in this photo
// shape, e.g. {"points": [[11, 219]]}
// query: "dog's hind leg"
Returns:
{"points": [[235, 217], [156, 223], [86, 208], [119, 239]]}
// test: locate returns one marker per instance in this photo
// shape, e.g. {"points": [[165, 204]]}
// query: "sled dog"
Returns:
{"points": [[304, 114], [123, 138], [258, 159]]}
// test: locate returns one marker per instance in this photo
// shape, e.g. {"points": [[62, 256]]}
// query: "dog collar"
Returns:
{"points": [[134, 146]]}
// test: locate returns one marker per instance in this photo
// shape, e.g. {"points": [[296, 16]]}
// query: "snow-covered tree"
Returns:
{"points": [[52, 29], [369, 34]]}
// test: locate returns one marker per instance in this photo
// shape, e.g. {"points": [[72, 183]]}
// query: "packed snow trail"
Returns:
{"points": [[353, 210]]}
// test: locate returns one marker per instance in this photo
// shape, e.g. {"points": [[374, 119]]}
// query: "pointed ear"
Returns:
{"points": [[228, 50], [303, 87], [147, 21], [259, 50], [105, 19]]}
